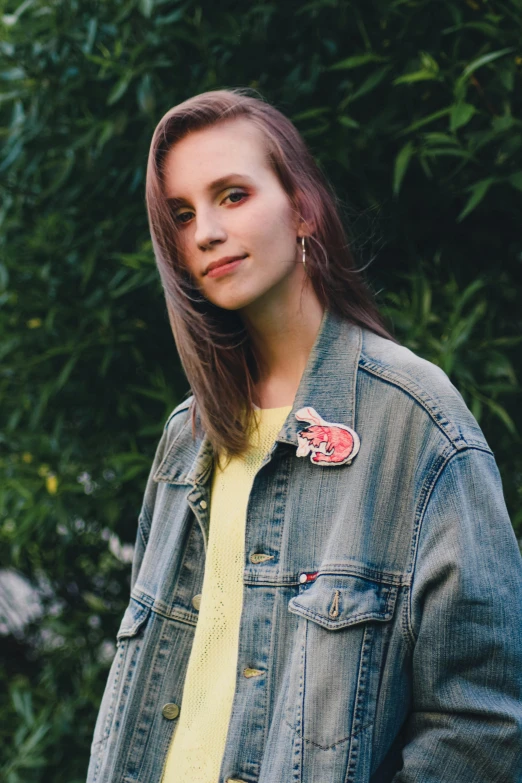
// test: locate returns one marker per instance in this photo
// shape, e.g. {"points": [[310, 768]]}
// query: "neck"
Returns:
{"points": [[283, 332]]}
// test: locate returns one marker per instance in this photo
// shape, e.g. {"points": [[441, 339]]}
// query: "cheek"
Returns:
{"points": [[268, 226]]}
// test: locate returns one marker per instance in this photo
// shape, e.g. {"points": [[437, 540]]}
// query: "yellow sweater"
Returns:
{"points": [[197, 746]]}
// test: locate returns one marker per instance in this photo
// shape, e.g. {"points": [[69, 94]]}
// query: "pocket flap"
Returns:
{"points": [[339, 600], [134, 617]]}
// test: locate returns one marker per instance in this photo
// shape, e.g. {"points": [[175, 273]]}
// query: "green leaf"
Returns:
{"points": [[356, 61], [19, 487], [460, 84], [310, 113], [418, 76], [486, 58], [478, 191], [502, 123], [348, 122], [10, 19], [146, 7], [66, 371], [502, 414], [9, 96], [145, 95], [515, 180], [446, 152], [461, 113], [175, 16], [367, 86], [435, 137], [12, 74], [94, 602], [22, 702], [401, 165], [469, 292], [119, 89], [31, 743], [92, 28], [425, 121], [487, 29], [4, 277]]}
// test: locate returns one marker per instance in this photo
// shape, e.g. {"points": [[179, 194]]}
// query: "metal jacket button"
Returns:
{"points": [[203, 504], [170, 711], [196, 602], [248, 672], [260, 557]]}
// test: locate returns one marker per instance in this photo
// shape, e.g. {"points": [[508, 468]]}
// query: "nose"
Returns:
{"points": [[209, 229]]}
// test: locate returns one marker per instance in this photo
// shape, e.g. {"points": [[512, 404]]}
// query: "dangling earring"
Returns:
{"points": [[304, 251]]}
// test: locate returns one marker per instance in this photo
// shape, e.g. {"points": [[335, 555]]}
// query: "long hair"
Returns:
{"points": [[213, 345]]}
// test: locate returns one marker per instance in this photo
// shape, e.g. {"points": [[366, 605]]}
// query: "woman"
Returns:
{"points": [[326, 587]]}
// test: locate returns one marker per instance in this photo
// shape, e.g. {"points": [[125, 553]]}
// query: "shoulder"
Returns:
{"points": [[419, 382], [179, 416], [177, 420]]}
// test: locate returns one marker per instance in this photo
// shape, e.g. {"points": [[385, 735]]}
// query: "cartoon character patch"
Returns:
{"points": [[327, 443]]}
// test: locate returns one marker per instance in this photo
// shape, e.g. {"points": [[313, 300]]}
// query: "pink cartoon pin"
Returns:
{"points": [[327, 443]]}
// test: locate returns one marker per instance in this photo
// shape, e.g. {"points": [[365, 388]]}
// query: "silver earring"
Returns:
{"points": [[304, 251]]}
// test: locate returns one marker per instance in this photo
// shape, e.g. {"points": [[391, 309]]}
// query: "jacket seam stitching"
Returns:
{"points": [[179, 409], [286, 477], [144, 525], [160, 473], [426, 493], [365, 726], [432, 481], [178, 615], [458, 440], [355, 374]]}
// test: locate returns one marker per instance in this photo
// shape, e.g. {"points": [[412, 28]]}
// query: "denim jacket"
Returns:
{"points": [[382, 597]]}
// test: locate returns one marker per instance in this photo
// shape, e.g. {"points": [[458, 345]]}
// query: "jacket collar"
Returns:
{"points": [[328, 385], [329, 380]]}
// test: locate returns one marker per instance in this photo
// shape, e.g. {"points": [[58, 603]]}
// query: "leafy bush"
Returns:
{"points": [[412, 108]]}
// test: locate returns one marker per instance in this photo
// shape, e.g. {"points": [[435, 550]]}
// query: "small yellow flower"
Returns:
{"points": [[34, 323], [51, 482], [518, 60], [43, 470], [27, 457]]}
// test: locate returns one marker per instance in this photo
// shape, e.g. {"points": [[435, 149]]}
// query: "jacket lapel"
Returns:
{"points": [[328, 385]]}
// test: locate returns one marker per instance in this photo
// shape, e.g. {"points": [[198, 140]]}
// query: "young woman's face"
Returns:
{"points": [[228, 202]]}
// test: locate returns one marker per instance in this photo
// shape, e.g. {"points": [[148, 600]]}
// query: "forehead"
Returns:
{"points": [[205, 155]]}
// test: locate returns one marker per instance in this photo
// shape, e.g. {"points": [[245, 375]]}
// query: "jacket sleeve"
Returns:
{"points": [[465, 724], [147, 507]]}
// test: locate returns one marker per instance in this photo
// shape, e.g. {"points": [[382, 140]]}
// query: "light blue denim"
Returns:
{"points": [[401, 660]]}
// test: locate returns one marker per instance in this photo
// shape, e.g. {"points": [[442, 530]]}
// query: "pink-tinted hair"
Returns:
{"points": [[213, 345]]}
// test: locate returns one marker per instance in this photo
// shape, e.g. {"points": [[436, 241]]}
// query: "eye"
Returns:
{"points": [[236, 193], [179, 217], [236, 196]]}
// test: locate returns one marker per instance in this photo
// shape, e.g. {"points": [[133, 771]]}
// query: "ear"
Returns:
{"points": [[305, 224], [304, 230]]}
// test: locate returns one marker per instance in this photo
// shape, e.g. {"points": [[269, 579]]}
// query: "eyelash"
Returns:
{"points": [[233, 193]]}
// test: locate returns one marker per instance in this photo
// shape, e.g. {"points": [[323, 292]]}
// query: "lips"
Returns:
{"points": [[223, 262]]}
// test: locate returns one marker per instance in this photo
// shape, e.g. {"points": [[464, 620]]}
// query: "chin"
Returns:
{"points": [[231, 304], [233, 301]]}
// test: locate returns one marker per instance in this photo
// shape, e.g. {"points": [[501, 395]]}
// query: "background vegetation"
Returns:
{"points": [[412, 107]]}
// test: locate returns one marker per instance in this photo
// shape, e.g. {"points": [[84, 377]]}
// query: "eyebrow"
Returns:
{"points": [[212, 187]]}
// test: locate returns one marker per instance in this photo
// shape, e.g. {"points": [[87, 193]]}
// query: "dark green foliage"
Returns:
{"points": [[413, 109]]}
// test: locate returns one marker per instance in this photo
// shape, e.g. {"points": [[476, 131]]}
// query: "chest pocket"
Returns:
{"points": [[340, 649]]}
